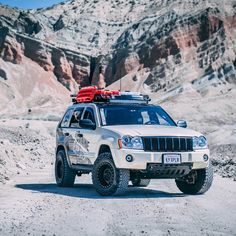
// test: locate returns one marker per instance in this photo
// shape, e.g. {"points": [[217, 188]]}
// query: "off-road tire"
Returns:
{"points": [[65, 176], [107, 179], [202, 183], [137, 182]]}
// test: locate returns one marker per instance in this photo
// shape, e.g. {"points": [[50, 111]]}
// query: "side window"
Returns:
{"points": [[76, 117], [66, 119], [89, 114]]}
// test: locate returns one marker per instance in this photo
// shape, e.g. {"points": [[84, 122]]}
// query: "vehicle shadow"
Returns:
{"points": [[88, 191]]}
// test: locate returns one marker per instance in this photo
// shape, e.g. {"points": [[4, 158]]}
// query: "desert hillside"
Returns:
{"points": [[162, 45]]}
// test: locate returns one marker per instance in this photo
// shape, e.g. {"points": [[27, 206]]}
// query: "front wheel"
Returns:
{"points": [[108, 180], [197, 181]]}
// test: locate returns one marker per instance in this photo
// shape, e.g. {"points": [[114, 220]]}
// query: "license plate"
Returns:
{"points": [[171, 158]]}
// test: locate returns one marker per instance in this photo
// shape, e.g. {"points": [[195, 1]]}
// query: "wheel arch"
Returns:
{"points": [[104, 148], [62, 147], [59, 148]]}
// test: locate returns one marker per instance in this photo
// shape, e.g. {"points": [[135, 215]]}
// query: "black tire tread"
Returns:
{"points": [[202, 185], [123, 183], [69, 174], [122, 177], [208, 180]]}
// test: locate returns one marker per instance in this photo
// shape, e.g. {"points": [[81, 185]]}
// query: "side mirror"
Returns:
{"points": [[87, 124], [182, 123]]}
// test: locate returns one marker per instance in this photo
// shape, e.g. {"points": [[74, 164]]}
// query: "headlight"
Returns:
{"points": [[132, 142], [199, 143]]}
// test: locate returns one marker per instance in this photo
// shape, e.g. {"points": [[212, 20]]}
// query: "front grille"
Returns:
{"points": [[167, 144]]}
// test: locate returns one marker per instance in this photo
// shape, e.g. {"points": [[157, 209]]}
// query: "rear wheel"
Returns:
{"points": [[108, 180], [197, 181], [137, 182], [65, 176]]}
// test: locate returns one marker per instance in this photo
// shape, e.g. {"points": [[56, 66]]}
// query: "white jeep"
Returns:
{"points": [[122, 138]]}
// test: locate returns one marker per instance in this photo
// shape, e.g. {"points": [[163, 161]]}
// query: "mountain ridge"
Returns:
{"points": [[178, 43]]}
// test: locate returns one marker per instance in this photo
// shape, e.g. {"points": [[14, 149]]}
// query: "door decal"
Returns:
{"points": [[81, 149]]}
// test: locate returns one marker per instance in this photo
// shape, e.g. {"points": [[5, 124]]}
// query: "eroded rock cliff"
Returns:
{"points": [[176, 42]]}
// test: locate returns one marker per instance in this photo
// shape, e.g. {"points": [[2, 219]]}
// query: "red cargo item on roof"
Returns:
{"points": [[89, 94]]}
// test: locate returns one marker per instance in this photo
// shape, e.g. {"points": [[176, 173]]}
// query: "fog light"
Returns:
{"points": [[129, 158], [205, 157]]}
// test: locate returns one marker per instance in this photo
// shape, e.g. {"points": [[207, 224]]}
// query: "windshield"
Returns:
{"points": [[134, 115]]}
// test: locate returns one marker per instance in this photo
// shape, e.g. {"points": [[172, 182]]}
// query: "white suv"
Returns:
{"points": [[123, 138]]}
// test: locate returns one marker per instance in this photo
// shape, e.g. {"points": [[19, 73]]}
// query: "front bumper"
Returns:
{"points": [[141, 159]]}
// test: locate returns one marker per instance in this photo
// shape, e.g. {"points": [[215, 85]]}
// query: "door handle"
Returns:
{"points": [[79, 135], [67, 134]]}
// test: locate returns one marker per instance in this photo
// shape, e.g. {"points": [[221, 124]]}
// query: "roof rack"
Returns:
{"points": [[93, 94]]}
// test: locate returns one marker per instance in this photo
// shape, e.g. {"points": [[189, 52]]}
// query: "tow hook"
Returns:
{"points": [[191, 177]]}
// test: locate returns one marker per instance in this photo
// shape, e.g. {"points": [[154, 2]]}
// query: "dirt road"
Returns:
{"points": [[34, 205]]}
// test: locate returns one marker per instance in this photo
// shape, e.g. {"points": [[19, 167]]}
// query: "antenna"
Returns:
{"points": [[120, 78]]}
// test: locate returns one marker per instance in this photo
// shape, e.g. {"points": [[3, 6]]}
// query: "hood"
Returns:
{"points": [[152, 130]]}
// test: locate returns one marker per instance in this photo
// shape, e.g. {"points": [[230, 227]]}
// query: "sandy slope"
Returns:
{"points": [[28, 86], [25, 146]]}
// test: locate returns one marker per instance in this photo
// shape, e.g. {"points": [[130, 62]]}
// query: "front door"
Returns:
{"points": [[83, 142], [88, 139], [74, 145]]}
